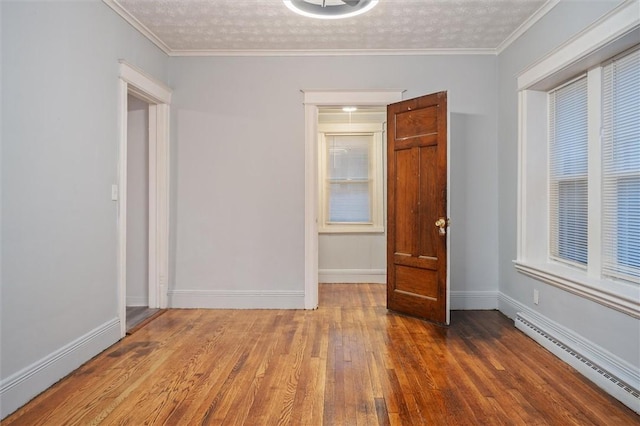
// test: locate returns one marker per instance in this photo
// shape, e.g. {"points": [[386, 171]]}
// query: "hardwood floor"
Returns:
{"points": [[351, 362]]}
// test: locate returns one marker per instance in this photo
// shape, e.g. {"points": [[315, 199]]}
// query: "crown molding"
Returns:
{"points": [[336, 52], [135, 23], [539, 14], [145, 31]]}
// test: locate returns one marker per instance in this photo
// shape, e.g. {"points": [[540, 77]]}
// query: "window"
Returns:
{"points": [[568, 172], [579, 164], [620, 153], [351, 178], [621, 167]]}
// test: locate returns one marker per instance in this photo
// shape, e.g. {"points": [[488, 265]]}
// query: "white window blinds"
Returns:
{"points": [[621, 168], [348, 178], [568, 154]]}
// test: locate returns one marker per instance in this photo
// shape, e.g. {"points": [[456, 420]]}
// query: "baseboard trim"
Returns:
{"points": [[615, 376], [236, 299], [352, 276], [137, 301], [19, 388], [472, 300]]}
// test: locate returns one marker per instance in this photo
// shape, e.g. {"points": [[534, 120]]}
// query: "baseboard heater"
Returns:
{"points": [[594, 371]]}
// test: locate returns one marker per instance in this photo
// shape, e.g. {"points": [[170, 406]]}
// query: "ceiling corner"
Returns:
{"points": [[135, 23], [539, 14]]}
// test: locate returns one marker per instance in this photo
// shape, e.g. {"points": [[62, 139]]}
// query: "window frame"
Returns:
{"points": [[376, 176], [616, 32]]}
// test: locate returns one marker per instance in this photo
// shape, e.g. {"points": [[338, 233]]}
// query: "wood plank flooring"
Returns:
{"points": [[351, 362]]}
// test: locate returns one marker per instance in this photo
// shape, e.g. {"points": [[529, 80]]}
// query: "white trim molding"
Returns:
{"points": [[135, 23], [352, 276], [143, 85], [136, 82], [614, 375], [541, 12], [236, 299], [613, 33], [17, 389], [335, 52], [620, 296]]}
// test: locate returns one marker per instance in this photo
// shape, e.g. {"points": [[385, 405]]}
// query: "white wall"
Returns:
{"points": [[238, 140], [137, 202], [612, 331], [352, 257], [59, 160]]}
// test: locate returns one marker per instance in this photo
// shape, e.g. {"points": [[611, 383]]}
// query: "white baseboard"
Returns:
{"points": [[471, 300], [332, 276], [137, 301], [19, 388], [236, 299], [614, 375]]}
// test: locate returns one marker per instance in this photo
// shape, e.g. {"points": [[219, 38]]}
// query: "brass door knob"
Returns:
{"points": [[442, 224]]}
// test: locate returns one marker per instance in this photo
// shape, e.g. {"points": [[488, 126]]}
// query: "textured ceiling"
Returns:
{"points": [[183, 26]]}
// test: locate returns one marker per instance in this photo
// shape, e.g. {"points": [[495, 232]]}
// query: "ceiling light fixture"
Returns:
{"points": [[330, 9]]}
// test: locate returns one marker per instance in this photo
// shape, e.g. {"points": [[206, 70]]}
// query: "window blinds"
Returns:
{"points": [[568, 154], [348, 182], [621, 168]]}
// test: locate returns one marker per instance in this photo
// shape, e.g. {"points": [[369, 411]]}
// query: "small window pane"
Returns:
{"points": [[349, 202], [572, 221], [628, 215], [348, 156]]}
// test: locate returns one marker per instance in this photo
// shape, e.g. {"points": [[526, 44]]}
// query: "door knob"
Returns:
{"points": [[442, 224]]}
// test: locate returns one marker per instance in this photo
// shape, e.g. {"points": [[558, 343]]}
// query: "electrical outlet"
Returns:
{"points": [[536, 296]]}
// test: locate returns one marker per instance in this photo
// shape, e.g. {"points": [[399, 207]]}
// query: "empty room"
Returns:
{"points": [[320, 212]]}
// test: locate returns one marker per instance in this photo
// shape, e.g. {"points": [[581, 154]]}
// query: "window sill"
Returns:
{"points": [[351, 229], [618, 295]]}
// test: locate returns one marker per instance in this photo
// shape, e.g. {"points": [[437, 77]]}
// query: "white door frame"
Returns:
{"points": [[136, 82], [312, 100]]}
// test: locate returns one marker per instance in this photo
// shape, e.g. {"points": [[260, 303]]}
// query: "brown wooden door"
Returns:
{"points": [[417, 199]]}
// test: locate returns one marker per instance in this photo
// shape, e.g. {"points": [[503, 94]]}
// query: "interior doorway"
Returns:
{"points": [[143, 273], [352, 201], [313, 100], [137, 284]]}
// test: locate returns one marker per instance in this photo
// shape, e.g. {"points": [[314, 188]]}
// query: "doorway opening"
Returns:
{"points": [[314, 100], [137, 285], [142, 194], [351, 202]]}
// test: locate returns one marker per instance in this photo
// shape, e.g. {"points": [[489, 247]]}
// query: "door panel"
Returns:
{"points": [[406, 200], [428, 210], [409, 280], [416, 123], [417, 188]]}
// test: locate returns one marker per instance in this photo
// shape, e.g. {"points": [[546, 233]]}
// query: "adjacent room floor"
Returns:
{"points": [[137, 315]]}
